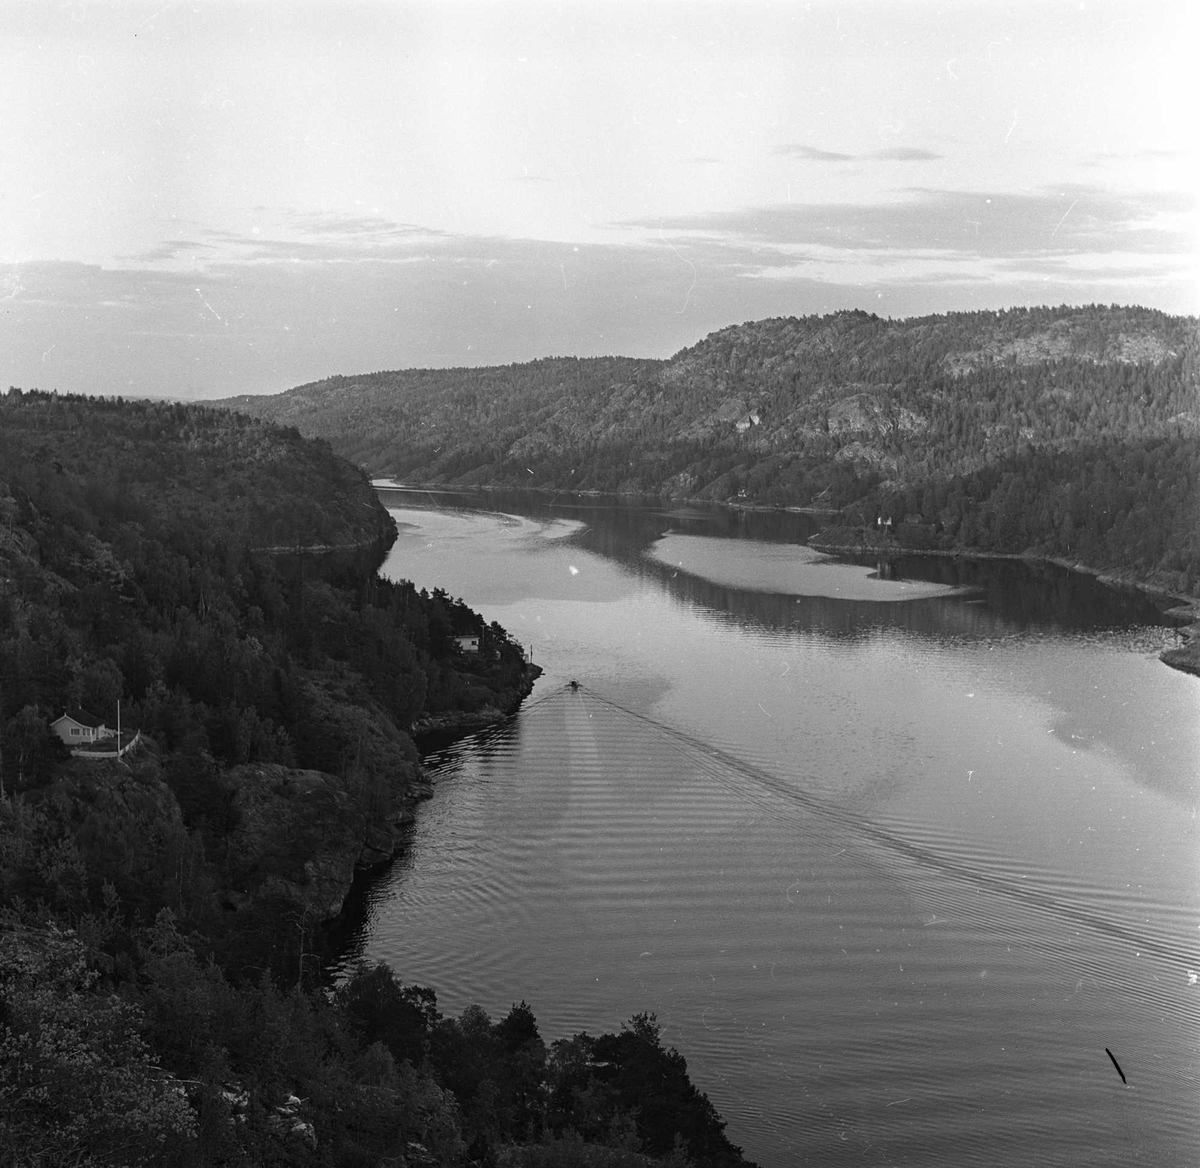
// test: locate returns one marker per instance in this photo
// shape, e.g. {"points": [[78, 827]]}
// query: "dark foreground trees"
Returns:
{"points": [[166, 1062]]}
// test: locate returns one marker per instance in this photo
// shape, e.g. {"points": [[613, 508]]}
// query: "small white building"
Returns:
{"points": [[468, 642], [77, 727]]}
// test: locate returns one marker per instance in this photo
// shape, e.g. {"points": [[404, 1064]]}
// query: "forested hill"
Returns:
{"points": [[140, 564], [162, 1000], [1068, 431], [177, 465]]}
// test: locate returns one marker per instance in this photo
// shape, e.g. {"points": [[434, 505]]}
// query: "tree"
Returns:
{"points": [[401, 1017], [30, 749], [523, 1084], [653, 1082], [77, 1084]]}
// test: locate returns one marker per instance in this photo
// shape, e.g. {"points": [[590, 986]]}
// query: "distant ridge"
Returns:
{"points": [[1070, 431]]}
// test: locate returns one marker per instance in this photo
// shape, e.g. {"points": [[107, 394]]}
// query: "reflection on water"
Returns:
{"points": [[893, 873], [1011, 594], [786, 569]]}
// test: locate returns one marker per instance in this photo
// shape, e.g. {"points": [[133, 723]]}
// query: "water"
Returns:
{"points": [[894, 855]]}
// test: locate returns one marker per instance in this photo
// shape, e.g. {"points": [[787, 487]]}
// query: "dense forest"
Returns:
{"points": [[209, 580], [1065, 432]]}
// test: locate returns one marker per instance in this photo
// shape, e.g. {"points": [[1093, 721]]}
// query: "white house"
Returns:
{"points": [[468, 642], [77, 727]]}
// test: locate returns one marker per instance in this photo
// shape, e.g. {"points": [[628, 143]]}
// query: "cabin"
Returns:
{"points": [[77, 727], [467, 642]]}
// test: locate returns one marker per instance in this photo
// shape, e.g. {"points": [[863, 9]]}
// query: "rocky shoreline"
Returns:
{"points": [[839, 540], [385, 840], [431, 731], [310, 838], [1186, 657], [1185, 609]]}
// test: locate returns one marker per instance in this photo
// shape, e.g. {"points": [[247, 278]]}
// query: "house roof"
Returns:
{"points": [[80, 715]]}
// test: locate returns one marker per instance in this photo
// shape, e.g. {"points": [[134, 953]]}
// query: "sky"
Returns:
{"points": [[208, 198]]}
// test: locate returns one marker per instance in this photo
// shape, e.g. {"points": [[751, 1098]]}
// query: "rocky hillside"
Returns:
{"points": [[140, 570], [1069, 431]]}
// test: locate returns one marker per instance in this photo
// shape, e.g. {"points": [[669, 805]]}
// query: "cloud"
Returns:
{"points": [[355, 293], [354, 226], [1104, 156], [50, 284], [812, 154], [890, 154], [996, 225], [904, 154], [1086, 270], [242, 327], [169, 249], [314, 237]]}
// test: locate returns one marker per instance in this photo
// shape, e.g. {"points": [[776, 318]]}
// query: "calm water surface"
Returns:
{"points": [[894, 855]]}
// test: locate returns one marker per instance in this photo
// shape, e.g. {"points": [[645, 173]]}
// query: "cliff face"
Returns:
{"points": [[302, 835]]}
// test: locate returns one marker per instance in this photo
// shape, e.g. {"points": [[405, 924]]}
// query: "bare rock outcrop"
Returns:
{"points": [[303, 834]]}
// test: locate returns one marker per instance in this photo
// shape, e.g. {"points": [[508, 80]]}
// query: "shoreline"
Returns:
{"points": [[1184, 608], [389, 484], [1112, 578], [433, 731], [377, 857], [1177, 606], [1174, 605]]}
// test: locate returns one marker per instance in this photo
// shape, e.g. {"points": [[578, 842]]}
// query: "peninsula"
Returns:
{"points": [[209, 581]]}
